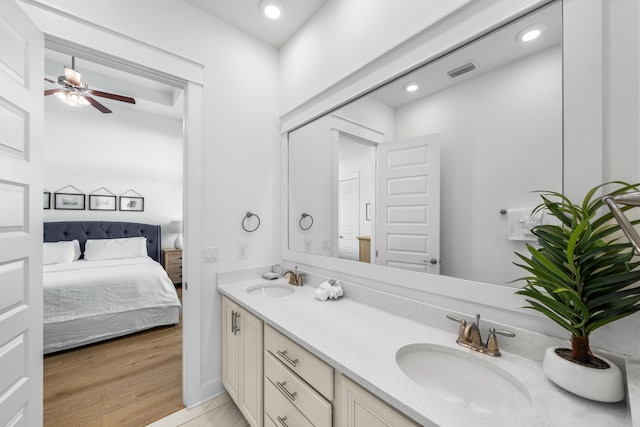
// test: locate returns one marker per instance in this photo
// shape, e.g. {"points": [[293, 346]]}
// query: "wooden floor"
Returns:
{"points": [[128, 381]]}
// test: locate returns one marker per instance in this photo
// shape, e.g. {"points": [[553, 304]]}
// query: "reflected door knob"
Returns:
{"points": [[432, 261]]}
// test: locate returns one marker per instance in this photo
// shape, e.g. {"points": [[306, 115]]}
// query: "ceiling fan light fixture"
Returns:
{"points": [[273, 9], [72, 98]]}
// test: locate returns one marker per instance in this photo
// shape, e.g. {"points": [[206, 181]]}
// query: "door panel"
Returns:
{"points": [[349, 217], [408, 204], [21, 109]]}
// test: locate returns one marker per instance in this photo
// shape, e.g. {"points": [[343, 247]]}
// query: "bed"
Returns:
{"points": [[103, 280]]}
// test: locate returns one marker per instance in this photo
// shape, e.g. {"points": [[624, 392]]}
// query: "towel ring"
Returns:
{"points": [[305, 215], [249, 215]]}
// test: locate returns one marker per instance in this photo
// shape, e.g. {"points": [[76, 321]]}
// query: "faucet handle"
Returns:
{"points": [[492, 340], [463, 325], [455, 319], [503, 333]]}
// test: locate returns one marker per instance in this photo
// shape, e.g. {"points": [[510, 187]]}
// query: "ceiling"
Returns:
{"points": [[488, 53], [246, 15]]}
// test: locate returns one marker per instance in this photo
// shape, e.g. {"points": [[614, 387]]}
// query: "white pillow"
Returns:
{"points": [[76, 249], [101, 249], [59, 252]]}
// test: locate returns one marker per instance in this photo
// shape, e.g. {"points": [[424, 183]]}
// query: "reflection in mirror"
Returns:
{"points": [[434, 172]]}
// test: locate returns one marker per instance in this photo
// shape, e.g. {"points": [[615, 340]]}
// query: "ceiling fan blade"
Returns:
{"points": [[52, 91], [72, 76], [50, 81], [97, 104], [112, 96]]}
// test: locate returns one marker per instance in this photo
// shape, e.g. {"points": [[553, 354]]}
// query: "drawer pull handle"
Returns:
{"points": [[282, 387], [283, 354], [282, 421]]}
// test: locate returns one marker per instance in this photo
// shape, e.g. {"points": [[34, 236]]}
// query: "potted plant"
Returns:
{"points": [[582, 276]]}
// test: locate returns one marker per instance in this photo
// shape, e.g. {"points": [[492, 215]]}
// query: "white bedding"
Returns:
{"points": [[82, 289]]}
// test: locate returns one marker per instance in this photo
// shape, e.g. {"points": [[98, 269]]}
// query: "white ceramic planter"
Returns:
{"points": [[602, 385]]}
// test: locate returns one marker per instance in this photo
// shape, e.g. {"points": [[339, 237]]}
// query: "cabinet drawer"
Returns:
{"points": [[175, 277], [174, 257], [313, 370], [279, 410], [297, 392]]}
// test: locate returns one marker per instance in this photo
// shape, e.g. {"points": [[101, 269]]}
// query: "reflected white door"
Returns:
{"points": [[408, 204], [349, 217], [21, 110]]}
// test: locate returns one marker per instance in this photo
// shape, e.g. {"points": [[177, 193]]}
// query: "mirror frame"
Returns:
{"points": [[583, 96]]}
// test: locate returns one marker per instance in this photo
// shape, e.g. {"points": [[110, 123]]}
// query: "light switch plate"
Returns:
{"points": [[210, 254]]}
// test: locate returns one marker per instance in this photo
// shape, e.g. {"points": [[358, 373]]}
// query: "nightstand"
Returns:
{"points": [[172, 263]]}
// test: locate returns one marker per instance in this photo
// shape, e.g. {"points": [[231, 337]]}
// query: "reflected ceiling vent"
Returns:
{"points": [[456, 72]]}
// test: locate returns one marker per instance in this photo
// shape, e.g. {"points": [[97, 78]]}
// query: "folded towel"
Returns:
{"points": [[520, 221], [330, 289]]}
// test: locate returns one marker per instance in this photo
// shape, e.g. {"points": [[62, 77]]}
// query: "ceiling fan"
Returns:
{"points": [[76, 93]]}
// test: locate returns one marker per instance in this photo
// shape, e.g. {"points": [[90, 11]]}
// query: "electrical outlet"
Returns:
{"points": [[242, 251], [326, 245]]}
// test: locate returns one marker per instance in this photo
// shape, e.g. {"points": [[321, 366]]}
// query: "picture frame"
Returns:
{"points": [[69, 201], [99, 202], [132, 204], [46, 200]]}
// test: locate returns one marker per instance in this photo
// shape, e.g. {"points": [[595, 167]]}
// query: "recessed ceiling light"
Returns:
{"points": [[411, 87], [273, 9], [530, 33]]}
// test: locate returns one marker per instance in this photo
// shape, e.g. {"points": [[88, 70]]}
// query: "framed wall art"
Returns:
{"points": [[99, 201], [67, 200], [46, 200]]}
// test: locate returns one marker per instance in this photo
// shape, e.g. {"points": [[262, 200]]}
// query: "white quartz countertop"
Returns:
{"points": [[361, 342]]}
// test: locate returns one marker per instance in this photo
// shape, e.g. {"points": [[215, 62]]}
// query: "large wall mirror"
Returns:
{"points": [[434, 171]]}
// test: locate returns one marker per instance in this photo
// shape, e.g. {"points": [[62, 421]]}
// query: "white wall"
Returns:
{"points": [[501, 139], [311, 179], [124, 150]]}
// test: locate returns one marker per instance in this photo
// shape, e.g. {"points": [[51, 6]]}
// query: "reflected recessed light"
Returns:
{"points": [[273, 9], [411, 87], [530, 33]]}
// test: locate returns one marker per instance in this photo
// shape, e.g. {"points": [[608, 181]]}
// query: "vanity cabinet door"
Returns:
{"points": [[230, 349], [242, 349], [356, 407]]}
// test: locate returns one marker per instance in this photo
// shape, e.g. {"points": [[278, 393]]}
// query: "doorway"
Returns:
{"points": [[191, 205]]}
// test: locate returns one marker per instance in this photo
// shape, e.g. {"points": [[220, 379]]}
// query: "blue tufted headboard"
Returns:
{"points": [[83, 230]]}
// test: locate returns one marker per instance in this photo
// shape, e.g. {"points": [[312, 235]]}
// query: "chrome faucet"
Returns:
{"points": [[295, 278], [469, 336]]}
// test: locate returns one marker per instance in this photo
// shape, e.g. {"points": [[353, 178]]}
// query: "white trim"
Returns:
{"points": [[66, 28], [355, 129]]}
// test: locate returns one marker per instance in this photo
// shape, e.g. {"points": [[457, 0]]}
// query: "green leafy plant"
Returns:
{"points": [[584, 274]]}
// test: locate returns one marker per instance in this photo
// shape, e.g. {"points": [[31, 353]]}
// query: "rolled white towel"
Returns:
{"points": [[329, 289], [322, 294]]}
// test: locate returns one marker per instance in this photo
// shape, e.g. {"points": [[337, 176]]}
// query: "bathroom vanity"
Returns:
{"points": [[342, 363]]}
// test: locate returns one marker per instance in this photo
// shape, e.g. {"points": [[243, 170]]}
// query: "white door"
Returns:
{"points": [[21, 111], [349, 217], [408, 204]]}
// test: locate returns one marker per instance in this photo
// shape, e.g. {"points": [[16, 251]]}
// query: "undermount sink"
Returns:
{"points": [[463, 378], [271, 290]]}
